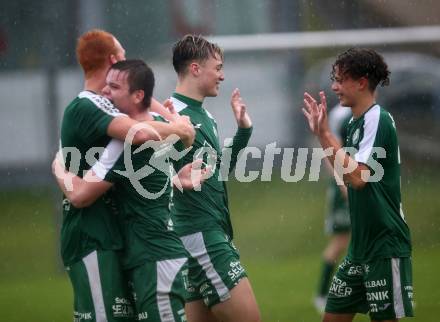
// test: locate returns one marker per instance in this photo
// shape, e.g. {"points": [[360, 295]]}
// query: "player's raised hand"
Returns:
{"points": [[316, 113], [240, 110]]}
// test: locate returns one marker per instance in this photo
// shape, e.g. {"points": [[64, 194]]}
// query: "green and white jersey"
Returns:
{"points": [[83, 136], [142, 193], [207, 209], [379, 229]]}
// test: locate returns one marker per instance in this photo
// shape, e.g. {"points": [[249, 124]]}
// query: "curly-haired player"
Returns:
{"points": [[376, 274]]}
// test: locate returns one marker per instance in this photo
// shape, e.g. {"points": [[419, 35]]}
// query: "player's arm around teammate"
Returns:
{"points": [[82, 192]]}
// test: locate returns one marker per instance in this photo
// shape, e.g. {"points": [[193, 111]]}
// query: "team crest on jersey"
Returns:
{"points": [[355, 137]]}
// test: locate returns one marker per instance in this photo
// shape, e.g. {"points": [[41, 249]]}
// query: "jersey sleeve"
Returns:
{"points": [[379, 133], [239, 142], [111, 160], [93, 115], [369, 138]]}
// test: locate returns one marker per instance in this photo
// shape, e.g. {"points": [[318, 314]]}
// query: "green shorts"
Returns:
{"points": [[214, 267], [383, 287], [337, 220], [159, 290], [100, 289]]}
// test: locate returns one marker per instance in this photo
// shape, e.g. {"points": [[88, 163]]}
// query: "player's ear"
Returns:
{"points": [[113, 59], [363, 83], [194, 68], [138, 96]]}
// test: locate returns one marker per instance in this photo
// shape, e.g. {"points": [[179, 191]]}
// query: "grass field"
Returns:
{"points": [[278, 228]]}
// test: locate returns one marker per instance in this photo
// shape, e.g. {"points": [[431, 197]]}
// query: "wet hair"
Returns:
{"points": [[139, 77], [93, 49], [362, 62], [190, 48]]}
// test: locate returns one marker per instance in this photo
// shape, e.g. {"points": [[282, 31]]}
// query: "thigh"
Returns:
{"points": [[241, 306], [100, 289], [389, 289], [347, 290], [159, 290], [214, 267], [197, 311]]}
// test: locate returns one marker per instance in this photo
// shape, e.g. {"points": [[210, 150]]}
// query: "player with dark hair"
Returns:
{"points": [[90, 236], [153, 254], [218, 285], [376, 275]]}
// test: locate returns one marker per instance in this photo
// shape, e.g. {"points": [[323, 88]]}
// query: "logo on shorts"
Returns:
{"points": [[409, 290], [204, 288], [122, 308], [236, 270], [377, 296], [355, 270], [339, 288], [378, 283], [384, 307], [142, 316], [345, 263], [66, 204], [80, 316], [366, 268]]}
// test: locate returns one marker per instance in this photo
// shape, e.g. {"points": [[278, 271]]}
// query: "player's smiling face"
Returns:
{"points": [[211, 75], [345, 87], [118, 91]]}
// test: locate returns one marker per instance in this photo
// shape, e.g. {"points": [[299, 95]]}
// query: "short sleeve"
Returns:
{"points": [[370, 135], [93, 115], [111, 160]]}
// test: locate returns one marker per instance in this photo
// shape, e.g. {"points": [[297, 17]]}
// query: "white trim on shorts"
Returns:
{"points": [[397, 288], [166, 274], [195, 245], [92, 267]]}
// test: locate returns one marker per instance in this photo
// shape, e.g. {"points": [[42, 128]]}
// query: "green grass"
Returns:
{"points": [[278, 228]]}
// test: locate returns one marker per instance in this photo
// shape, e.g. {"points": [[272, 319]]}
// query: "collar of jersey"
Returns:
{"points": [[189, 101], [363, 114]]}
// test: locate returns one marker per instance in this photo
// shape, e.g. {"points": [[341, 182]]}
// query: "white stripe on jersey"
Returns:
{"points": [[107, 160], [101, 102], [371, 123]]}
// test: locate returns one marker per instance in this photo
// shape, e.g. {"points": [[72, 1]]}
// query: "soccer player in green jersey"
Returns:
{"points": [[90, 236], [337, 221], [153, 254], [376, 275], [218, 285]]}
